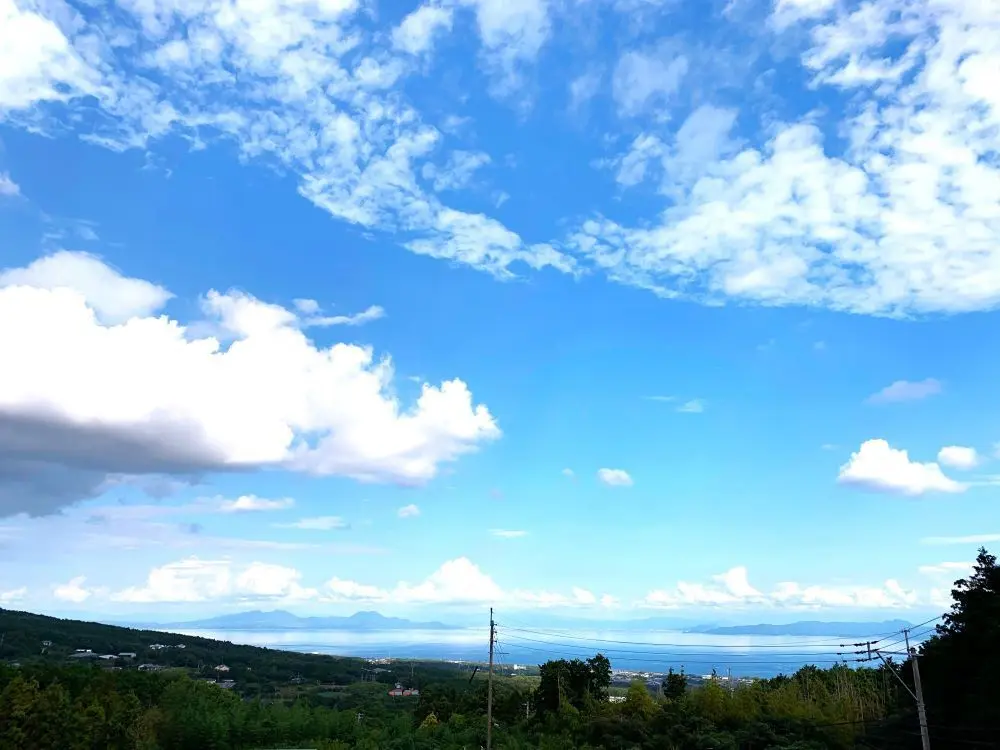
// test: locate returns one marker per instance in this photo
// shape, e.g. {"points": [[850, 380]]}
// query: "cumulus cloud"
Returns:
{"points": [[73, 591], [732, 589], [879, 467], [958, 457], [408, 511], [150, 396], [197, 580], [112, 297], [905, 390], [614, 477], [508, 533], [460, 581]]}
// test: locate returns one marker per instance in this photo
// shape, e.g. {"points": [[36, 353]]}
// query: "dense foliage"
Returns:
{"points": [[47, 704]]}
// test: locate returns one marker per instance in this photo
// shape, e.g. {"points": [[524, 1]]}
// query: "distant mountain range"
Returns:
{"points": [[836, 629], [282, 620], [374, 621]]}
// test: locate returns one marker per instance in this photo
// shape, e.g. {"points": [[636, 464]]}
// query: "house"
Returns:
{"points": [[158, 647], [82, 651], [222, 668], [83, 655], [47, 644], [400, 692], [108, 657], [127, 654], [150, 667]]}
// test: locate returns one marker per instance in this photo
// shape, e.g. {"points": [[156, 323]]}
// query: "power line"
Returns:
{"points": [[681, 656], [729, 651], [570, 636]]}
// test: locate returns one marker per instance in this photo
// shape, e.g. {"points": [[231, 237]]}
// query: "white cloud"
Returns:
{"points": [[702, 139], [249, 503], [647, 79], [787, 12], [508, 533], [583, 88], [8, 188], [197, 580], [904, 219], [879, 467], [905, 390], [269, 581], [113, 297], [189, 580], [614, 477], [457, 172], [74, 591], [416, 33], [512, 33], [968, 539], [732, 589], [13, 595], [960, 569], [37, 61], [408, 511], [694, 406], [958, 457], [350, 591], [373, 312], [320, 523], [307, 306], [569, 473], [151, 396], [898, 214], [457, 581], [460, 581]]}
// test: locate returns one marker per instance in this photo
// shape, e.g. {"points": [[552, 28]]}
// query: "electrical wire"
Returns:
{"points": [[570, 636], [730, 649], [682, 656]]}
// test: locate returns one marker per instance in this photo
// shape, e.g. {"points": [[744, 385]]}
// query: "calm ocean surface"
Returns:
{"points": [[654, 651]]}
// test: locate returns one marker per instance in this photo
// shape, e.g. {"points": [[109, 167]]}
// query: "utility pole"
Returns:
{"points": [[917, 694], [489, 688], [925, 739]]}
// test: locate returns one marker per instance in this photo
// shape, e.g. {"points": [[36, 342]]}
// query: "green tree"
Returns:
{"points": [[674, 685], [960, 663]]}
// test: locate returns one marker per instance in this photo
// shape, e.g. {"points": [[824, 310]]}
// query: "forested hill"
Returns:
{"points": [[27, 636]]}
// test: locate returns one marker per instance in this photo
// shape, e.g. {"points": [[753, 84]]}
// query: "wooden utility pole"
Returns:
{"points": [[925, 738], [489, 688], [917, 693]]}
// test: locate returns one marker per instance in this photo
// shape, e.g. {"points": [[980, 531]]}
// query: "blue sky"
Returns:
{"points": [[611, 307]]}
